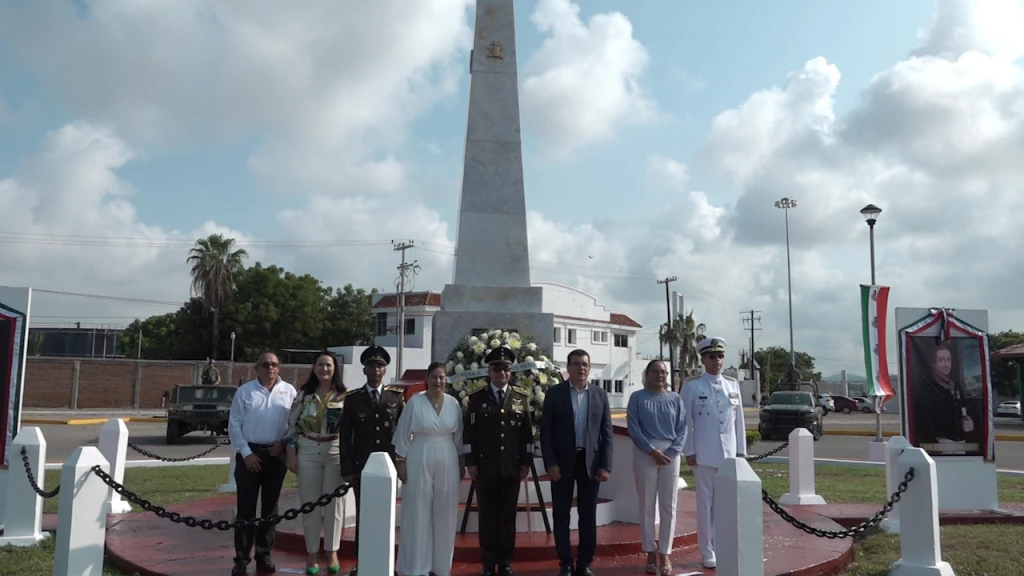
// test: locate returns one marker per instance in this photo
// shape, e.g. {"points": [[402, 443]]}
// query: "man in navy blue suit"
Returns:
{"points": [[576, 442]]}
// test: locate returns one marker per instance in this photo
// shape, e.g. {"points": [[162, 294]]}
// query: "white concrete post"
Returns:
{"points": [[739, 520], [921, 552], [114, 448], [81, 515], [229, 486], [378, 490], [801, 470], [24, 522], [896, 446]]}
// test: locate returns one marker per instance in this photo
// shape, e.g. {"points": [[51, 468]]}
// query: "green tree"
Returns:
{"points": [[348, 319], [1004, 372], [684, 333], [774, 362], [214, 266]]}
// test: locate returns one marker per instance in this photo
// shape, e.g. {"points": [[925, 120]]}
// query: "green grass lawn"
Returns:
{"points": [[987, 550]]}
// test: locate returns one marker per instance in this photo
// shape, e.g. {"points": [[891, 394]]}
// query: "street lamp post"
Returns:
{"points": [[870, 213], [785, 204], [231, 367]]}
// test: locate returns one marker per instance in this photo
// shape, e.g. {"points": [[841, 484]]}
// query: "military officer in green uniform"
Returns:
{"points": [[498, 432], [368, 422]]}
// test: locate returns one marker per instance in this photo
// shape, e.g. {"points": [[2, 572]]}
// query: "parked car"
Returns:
{"points": [[198, 408], [789, 410], [866, 406], [844, 404], [827, 403], [1009, 408]]}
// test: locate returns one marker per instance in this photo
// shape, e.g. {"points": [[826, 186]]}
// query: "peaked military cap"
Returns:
{"points": [[500, 355], [713, 344], [376, 355]]}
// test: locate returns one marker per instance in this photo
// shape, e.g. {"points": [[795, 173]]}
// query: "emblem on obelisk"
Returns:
{"points": [[495, 51]]}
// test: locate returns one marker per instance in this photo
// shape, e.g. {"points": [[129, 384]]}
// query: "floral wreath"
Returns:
{"points": [[533, 370]]}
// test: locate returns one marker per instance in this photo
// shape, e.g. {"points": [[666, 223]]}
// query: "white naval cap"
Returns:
{"points": [[711, 344]]}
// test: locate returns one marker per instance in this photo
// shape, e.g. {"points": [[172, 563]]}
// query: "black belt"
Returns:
{"points": [[263, 447]]}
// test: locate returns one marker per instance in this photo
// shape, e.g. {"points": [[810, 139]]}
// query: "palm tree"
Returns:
{"points": [[214, 265], [684, 333]]}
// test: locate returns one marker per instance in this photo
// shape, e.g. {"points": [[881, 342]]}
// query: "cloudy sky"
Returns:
{"points": [[657, 136]]}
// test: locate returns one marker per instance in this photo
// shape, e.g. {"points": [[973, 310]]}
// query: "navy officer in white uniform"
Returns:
{"points": [[717, 432]]}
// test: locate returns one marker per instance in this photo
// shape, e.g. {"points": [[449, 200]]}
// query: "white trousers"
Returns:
{"points": [[319, 474], [705, 477], [430, 507], [656, 485]]}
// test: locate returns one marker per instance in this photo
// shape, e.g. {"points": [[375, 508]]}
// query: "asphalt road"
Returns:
{"points": [[62, 440]]}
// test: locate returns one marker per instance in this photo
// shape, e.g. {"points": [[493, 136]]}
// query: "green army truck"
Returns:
{"points": [[194, 408], [789, 410]]}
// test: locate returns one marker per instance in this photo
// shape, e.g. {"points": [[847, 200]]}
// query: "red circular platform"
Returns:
{"points": [[152, 546]]}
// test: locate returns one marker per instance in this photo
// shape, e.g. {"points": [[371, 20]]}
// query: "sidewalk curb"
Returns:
{"points": [[87, 421]]}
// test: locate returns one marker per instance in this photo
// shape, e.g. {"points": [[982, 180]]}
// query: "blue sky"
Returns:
{"points": [[61, 69]]}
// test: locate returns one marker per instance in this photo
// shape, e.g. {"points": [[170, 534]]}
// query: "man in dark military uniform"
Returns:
{"points": [[368, 422], [498, 432]]}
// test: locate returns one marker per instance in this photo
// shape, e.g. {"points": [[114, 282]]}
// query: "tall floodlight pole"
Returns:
{"points": [[785, 204], [870, 213], [668, 327]]}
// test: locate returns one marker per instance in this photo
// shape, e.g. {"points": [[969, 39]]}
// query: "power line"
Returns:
{"points": [[114, 298], [406, 272], [754, 323]]}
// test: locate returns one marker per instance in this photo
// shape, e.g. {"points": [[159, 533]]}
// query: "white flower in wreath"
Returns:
{"points": [[459, 354], [459, 369], [495, 343], [465, 402], [449, 366], [528, 359], [543, 358], [531, 346], [515, 344], [484, 337], [479, 348], [495, 334], [504, 336], [539, 397], [462, 394], [473, 340], [474, 366], [543, 378]]}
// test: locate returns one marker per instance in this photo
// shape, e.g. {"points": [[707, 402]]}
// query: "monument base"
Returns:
{"points": [[966, 483], [877, 450], [466, 310]]}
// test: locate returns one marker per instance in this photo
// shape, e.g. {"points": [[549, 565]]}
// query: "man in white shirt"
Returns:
{"points": [[256, 427], [716, 432]]}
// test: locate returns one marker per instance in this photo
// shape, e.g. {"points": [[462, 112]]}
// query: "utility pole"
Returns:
{"points": [[405, 273], [753, 321], [668, 326]]}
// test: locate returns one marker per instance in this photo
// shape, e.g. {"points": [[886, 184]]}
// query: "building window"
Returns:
{"points": [[600, 337], [558, 335], [618, 386], [621, 341], [607, 385], [571, 336], [382, 323], [410, 326]]}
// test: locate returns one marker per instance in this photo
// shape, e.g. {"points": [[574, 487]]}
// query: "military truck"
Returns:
{"points": [[791, 409], [193, 408]]}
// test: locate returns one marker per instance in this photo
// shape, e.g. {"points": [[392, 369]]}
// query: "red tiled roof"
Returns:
{"points": [[617, 319], [1010, 352], [411, 299]]}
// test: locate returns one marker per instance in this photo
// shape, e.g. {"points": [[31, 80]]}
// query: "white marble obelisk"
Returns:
{"points": [[492, 287]]}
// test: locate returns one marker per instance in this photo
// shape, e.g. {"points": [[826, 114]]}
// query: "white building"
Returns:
{"points": [[580, 322]]}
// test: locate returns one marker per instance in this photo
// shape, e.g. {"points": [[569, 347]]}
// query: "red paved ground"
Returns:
{"points": [[152, 546]]}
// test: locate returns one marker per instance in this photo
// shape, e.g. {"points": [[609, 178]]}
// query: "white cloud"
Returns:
{"points": [[662, 170], [584, 82]]}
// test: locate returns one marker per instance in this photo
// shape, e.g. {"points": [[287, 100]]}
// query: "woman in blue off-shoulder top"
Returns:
{"points": [[656, 420]]}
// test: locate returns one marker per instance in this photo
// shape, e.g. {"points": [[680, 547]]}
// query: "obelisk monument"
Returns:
{"points": [[491, 288]]}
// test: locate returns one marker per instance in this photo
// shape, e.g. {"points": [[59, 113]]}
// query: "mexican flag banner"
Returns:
{"points": [[874, 302]]}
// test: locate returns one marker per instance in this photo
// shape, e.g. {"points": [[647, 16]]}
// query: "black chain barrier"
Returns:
{"points": [[849, 532], [145, 452], [32, 478], [771, 452], [222, 525]]}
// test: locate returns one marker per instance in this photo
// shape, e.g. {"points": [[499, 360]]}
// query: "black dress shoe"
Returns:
{"points": [[355, 571], [239, 570], [265, 566], [506, 571], [565, 571], [488, 571], [584, 572]]}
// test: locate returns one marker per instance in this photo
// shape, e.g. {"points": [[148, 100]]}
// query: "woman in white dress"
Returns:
{"points": [[428, 445]]}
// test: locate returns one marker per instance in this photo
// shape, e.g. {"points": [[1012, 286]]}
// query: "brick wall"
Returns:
{"points": [[96, 383]]}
